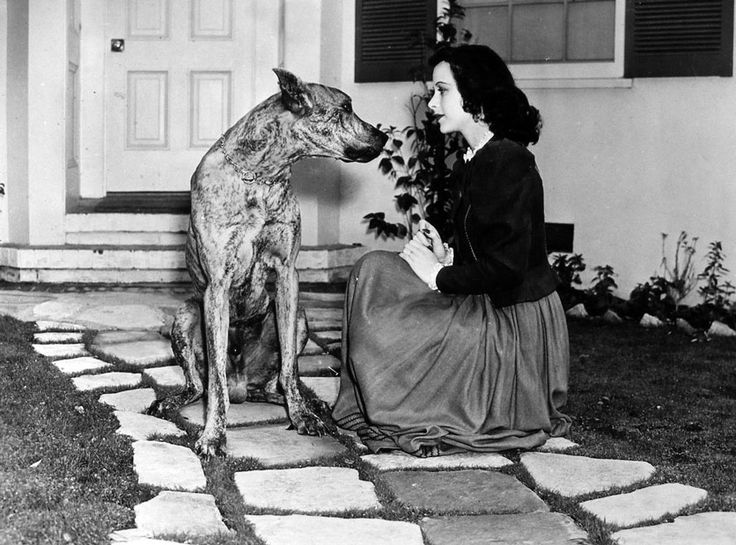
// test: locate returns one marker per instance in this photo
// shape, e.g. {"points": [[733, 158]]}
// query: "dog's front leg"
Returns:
{"points": [[287, 298], [216, 321]]}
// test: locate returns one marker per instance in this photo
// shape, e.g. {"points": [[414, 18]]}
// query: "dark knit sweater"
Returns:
{"points": [[499, 239]]}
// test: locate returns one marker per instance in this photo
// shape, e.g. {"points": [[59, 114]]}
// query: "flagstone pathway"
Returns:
{"points": [[296, 500]]}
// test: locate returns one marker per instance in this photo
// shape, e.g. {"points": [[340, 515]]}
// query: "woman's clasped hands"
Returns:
{"points": [[425, 253]]}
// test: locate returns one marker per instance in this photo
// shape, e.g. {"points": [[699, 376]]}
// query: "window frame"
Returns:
{"points": [[576, 69]]}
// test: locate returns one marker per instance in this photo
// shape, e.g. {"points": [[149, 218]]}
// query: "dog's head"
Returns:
{"points": [[323, 119]]}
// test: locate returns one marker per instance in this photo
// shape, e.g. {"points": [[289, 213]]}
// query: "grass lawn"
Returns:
{"points": [[66, 477]]}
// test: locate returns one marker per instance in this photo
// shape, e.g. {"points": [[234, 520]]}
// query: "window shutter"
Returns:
{"points": [[389, 38], [679, 38]]}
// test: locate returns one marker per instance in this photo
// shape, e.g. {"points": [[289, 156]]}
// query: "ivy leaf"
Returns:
{"points": [[402, 230], [398, 160], [405, 201], [415, 218], [397, 143], [402, 181], [385, 165]]}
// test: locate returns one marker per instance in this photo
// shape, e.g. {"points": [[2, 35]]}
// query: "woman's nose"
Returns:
{"points": [[433, 103]]}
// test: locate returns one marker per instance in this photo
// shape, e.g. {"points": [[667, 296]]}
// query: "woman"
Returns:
{"points": [[463, 348]]}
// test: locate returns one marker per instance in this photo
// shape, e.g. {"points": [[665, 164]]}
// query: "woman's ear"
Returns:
{"points": [[294, 94]]}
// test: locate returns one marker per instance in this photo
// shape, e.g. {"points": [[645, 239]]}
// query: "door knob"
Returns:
{"points": [[117, 45]]}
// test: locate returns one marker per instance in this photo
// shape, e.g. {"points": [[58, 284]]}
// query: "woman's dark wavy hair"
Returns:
{"points": [[488, 89]]}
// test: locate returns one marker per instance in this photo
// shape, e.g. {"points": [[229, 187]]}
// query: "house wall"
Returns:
{"points": [[3, 120], [624, 161]]}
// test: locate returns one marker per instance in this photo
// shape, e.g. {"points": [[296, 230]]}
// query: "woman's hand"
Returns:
{"points": [[430, 237], [421, 260]]}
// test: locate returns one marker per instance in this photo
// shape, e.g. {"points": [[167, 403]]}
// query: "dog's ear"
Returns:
{"points": [[294, 93]]}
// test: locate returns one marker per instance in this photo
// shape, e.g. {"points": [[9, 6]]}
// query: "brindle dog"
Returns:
{"points": [[244, 223]]}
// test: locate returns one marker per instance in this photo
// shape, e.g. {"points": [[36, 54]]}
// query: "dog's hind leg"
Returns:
{"points": [[216, 321], [287, 298], [187, 343]]}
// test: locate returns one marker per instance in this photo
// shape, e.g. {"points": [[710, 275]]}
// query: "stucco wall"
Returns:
{"points": [[622, 164]]}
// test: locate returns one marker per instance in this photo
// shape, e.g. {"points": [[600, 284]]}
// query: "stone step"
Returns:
{"points": [[308, 530], [189, 513], [147, 262], [307, 490], [466, 491]]}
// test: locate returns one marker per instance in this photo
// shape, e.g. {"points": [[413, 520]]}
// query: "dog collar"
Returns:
{"points": [[248, 176]]}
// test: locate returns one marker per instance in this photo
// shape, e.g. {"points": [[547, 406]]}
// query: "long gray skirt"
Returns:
{"points": [[421, 368]]}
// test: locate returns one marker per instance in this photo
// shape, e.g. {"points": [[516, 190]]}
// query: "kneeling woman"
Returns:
{"points": [[464, 347]]}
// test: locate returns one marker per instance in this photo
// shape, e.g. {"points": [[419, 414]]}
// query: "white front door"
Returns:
{"points": [[177, 74]]}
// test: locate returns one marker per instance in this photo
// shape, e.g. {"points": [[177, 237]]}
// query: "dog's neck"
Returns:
{"points": [[255, 145]]}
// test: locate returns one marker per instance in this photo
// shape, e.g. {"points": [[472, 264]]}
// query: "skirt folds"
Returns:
{"points": [[423, 368]]}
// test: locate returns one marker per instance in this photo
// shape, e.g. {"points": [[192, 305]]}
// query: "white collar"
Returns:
{"points": [[470, 153]]}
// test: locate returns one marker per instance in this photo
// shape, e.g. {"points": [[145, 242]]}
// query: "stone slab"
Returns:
{"points": [[307, 489], [52, 325], [312, 348], [167, 466], [557, 444], [332, 335], [141, 427], [467, 491], [531, 528], [275, 445], [138, 353], [171, 376], [50, 337], [115, 380], [136, 536], [180, 513], [645, 504], [138, 400], [306, 530], [576, 475], [401, 460], [324, 313], [134, 316], [63, 350], [717, 528], [239, 414], [81, 365], [325, 388], [318, 364], [114, 337], [316, 326]]}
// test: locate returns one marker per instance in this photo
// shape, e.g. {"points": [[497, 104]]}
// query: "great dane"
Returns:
{"points": [[245, 223]]}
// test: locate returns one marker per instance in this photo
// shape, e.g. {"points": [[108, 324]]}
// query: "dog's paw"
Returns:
{"points": [[208, 446], [309, 423]]}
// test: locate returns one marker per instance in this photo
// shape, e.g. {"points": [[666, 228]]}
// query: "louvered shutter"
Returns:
{"points": [[387, 38], [679, 38]]}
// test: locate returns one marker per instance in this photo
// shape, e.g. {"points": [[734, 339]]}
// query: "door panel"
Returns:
{"points": [[185, 75]]}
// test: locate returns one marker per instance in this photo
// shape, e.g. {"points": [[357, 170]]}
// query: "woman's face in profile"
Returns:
{"points": [[447, 103]]}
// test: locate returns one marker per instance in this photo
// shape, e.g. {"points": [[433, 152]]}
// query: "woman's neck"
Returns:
{"points": [[478, 135]]}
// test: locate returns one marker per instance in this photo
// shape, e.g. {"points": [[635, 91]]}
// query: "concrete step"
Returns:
{"points": [[126, 229], [146, 263]]}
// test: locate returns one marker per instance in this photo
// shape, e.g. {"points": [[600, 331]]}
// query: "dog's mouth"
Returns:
{"points": [[368, 152], [362, 155]]}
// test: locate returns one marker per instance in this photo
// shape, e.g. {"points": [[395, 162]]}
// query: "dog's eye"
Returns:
{"points": [[347, 107]]}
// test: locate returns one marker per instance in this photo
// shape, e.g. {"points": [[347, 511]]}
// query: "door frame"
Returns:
{"points": [[265, 24]]}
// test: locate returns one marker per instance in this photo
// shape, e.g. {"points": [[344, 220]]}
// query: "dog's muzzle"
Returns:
{"points": [[370, 151]]}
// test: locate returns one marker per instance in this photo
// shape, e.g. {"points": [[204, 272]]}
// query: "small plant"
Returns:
{"points": [[599, 298], [603, 283], [716, 292], [568, 269], [653, 298], [679, 276]]}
